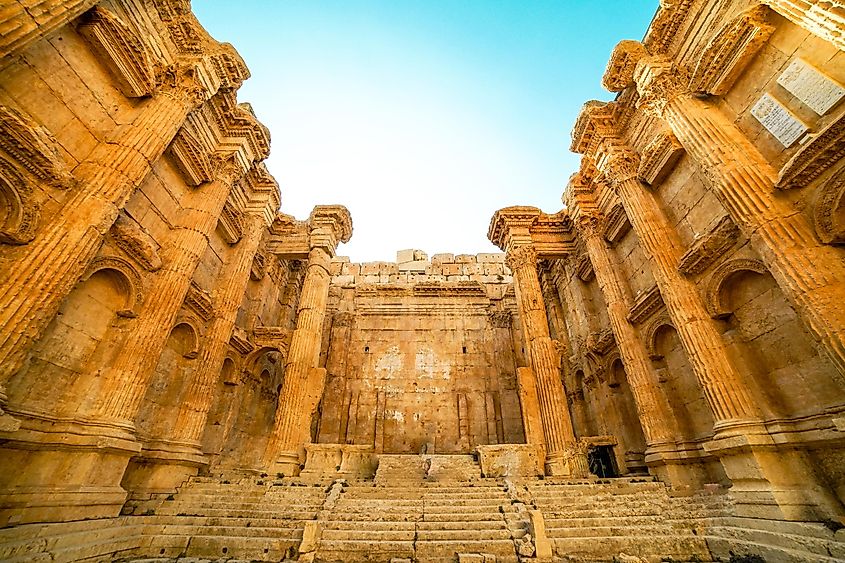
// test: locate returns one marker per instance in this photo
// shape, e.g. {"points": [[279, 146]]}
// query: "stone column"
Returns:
{"points": [[329, 226], [125, 381], [227, 300], [563, 454], [811, 274], [34, 287], [727, 392], [825, 18]]}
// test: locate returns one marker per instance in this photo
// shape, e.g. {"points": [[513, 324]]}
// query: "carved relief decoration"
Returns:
{"points": [[645, 305], [616, 224], [239, 341], [129, 278], [259, 265], [601, 342], [729, 52], [815, 157], [272, 337], [500, 319], [666, 25], [128, 236], [121, 49], [33, 148], [199, 301], [584, 268], [659, 157], [708, 247], [827, 210], [713, 294], [18, 212], [231, 223], [620, 69], [191, 157]]}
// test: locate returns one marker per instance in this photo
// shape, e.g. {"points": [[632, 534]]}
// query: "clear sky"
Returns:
{"points": [[422, 116]]}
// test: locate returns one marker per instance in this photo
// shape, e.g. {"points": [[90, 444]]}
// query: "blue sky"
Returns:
{"points": [[422, 116]]}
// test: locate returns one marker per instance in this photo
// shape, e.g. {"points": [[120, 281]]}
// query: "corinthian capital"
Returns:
{"points": [[524, 256], [659, 82], [181, 82], [620, 164], [329, 225]]}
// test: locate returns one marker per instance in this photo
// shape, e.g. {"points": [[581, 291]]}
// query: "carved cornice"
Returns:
{"points": [[595, 121], [461, 289], [823, 151], [272, 337], [508, 218], [659, 158], [709, 247], [132, 239], [20, 219], [192, 158], [524, 256], [230, 224], [584, 268], [620, 69], [601, 342], [121, 50], [240, 342], [330, 222], [645, 305], [33, 148], [500, 319], [616, 224], [666, 25], [729, 52], [199, 301]]}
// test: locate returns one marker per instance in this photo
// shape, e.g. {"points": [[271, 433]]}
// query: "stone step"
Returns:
{"points": [[364, 550], [384, 525], [463, 535], [237, 505], [444, 548], [776, 537], [368, 535], [646, 547], [223, 531], [472, 502], [70, 541], [604, 532], [218, 512], [724, 547], [227, 522], [239, 547], [476, 525], [461, 516]]}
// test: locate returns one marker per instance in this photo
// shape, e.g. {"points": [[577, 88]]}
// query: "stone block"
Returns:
{"points": [[415, 266], [405, 255], [465, 258], [451, 269], [442, 258], [343, 281], [491, 258], [509, 460], [350, 269]]}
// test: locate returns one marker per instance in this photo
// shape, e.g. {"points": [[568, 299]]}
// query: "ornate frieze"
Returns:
{"points": [[272, 336], [500, 319], [616, 224], [121, 50], [645, 305], [815, 157], [658, 158], [666, 25], [461, 289], [199, 301], [128, 236], [709, 247], [33, 148], [729, 52]]}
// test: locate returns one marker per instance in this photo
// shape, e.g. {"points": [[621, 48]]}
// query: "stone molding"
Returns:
{"points": [[33, 148], [616, 224], [730, 51], [199, 301], [231, 223], [584, 268], [828, 200], [122, 51], [713, 293], [239, 341], [191, 158], [658, 158], [709, 247], [22, 211], [823, 151], [132, 239], [645, 305]]}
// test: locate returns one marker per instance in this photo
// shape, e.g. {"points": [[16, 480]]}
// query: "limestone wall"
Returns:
{"points": [[418, 356]]}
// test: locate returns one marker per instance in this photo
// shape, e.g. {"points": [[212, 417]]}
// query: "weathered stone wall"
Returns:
{"points": [[418, 356]]}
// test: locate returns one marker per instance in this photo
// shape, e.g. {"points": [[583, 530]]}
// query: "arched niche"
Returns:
{"points": [[78, 342], [768, 341], [224, 407], [18, 213], [685, 396], [625, 412], [166, 391]]}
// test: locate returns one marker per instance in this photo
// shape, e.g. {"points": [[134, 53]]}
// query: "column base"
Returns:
{"points": [[571, 462], [162, 467], [684, 469], [59, 471], [770, 481], [339, 461], [287, 464]]}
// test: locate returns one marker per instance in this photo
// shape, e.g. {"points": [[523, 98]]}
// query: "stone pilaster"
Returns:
{"points": [[125, 381], [563, 454], [811, 274], [823, 18], [727, 392], [329, 226], [227, 300], [32, 291]]}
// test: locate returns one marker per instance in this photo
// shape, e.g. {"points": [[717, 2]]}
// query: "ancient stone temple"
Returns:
{"points": [[654, 372]]}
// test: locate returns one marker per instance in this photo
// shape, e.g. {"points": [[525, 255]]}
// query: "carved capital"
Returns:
{"points": [[620, 165], [181, 82], [659, 82], [524, 256], [226, 167], [329, 225], [620, 69]]}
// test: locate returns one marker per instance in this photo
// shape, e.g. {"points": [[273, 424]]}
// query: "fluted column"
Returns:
{"points": [[125, 381], [652, 407], [563, 454], [303, 357], [811, 274], [825, 18], [227, 300], [726, 390], [33, 288]]}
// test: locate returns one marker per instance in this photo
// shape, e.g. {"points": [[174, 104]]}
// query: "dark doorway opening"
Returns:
{"points": [[602, 464]]}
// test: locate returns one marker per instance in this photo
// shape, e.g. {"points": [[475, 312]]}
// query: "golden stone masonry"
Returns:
{"points": [[656, 372]]}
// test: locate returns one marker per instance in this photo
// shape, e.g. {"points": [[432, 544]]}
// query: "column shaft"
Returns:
{"points": [[228, 297], [32, 290], [811, 275], [652, 408], [125, 381]]}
